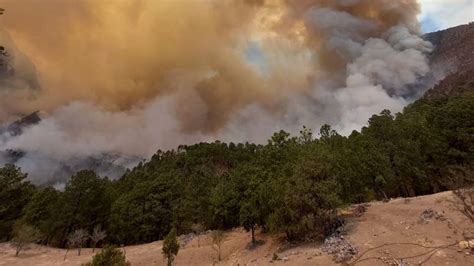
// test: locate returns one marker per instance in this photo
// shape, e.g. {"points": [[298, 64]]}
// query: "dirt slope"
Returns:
{"points": [[397, 221]]}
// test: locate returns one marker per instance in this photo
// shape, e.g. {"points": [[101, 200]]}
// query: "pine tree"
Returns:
{"points": [[170, 246], [15, 193]]}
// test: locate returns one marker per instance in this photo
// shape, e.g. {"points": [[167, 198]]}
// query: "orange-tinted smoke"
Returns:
{"points": [[122, 53]]}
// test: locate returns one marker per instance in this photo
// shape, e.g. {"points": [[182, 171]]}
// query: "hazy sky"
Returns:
{"points": [[442, 14]]}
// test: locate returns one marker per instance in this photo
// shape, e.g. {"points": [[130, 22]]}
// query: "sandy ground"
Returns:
{"points": [[395, 226]]}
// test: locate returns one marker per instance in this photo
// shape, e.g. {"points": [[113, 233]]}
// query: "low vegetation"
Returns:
{"points": [[465, 201], [109, 256], [218, 238], [77, 240], [97, 236], [292, 184], [23, 235]]}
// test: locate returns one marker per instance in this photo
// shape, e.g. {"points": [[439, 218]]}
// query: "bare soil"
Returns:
{"points": [[394, 229]]}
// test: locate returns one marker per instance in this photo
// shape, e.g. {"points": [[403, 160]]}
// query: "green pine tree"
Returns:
{"points": [[170, 246]]}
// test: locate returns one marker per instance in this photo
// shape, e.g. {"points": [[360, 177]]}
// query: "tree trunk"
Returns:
{"points": [[64, 240], [79, 251], [18, 249], [384, 195], [409, 188], [253, 236], [65, 254], [169, 261], [435, 187]]}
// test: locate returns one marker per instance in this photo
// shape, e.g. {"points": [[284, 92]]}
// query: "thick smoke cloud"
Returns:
{"points": [[129, 77]]}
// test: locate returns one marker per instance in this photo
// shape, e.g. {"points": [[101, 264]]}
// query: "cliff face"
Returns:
{"points": [[452, 59]]}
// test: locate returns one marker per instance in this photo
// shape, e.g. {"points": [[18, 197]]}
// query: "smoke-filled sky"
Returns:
{"points": [[131, 76], [442, 14]]}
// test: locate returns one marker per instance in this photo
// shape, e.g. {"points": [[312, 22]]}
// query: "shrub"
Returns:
{"points": [[23, 235], [218, 238], [109, 256]]}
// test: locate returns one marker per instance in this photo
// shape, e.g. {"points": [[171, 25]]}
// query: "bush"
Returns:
{"points": [[109, 256], [218, 238], [465, 201], [23, 235]]}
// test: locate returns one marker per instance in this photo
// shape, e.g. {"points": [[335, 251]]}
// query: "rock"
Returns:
{"points": [[339, 248], [463, 244], [185, 239], [429, 214], [359, 210], [471, 243], [285, 259], [468, 234]]}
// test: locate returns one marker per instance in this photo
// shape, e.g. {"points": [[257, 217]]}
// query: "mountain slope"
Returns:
{"points": [[452, 59]]}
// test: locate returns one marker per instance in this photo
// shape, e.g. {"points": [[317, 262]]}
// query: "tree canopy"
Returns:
{"points": [[291, 185]]}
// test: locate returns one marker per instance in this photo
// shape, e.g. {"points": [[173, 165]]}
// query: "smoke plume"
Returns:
{"points": [[129, 77]]}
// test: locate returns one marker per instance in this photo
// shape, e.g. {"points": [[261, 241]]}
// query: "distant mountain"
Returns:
{"points": [[112, 165], [16, 128], [452, 59]]}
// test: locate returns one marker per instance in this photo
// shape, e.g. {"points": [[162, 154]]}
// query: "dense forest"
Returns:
{"points": [[292, 185]]}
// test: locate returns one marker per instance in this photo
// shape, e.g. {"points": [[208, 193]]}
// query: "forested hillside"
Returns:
{"points": [[292, 185]]}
